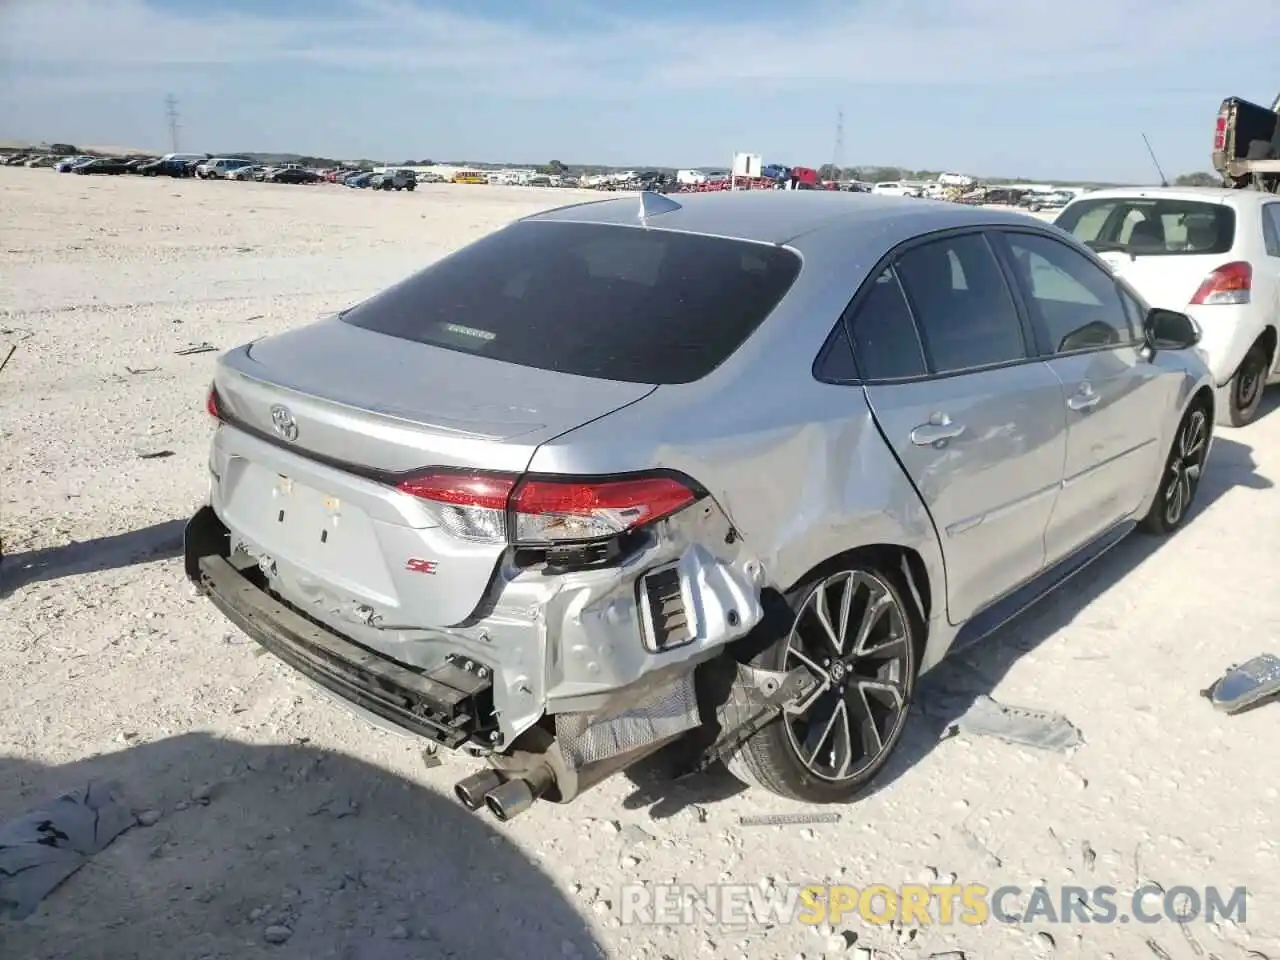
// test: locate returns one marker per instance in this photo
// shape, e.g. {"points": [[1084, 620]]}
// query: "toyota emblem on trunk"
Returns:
{"points": [[284, 423]]}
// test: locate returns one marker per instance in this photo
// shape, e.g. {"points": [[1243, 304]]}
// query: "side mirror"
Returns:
{"points": [[1170, 330]]}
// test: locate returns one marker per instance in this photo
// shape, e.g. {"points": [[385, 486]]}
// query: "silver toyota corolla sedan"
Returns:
{"points": [[731, 470]]}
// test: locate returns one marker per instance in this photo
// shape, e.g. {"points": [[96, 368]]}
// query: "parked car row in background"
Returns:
{"points": [[204, 166]]}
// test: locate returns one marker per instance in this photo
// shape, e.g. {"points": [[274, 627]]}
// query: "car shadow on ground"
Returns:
{"points": [[1270, 402], [160, 541], [950, 689], [356, 862]]}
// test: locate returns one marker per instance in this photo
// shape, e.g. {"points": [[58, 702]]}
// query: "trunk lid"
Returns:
{"points": [[344, 544], [1165, 281], [386, 404]]}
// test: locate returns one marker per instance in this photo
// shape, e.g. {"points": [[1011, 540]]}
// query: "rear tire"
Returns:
{"points": [[855, 628], [1244, 391], [1183, 469]]}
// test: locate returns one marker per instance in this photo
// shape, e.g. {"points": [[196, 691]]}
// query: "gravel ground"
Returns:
{"points": [[282, 818]]}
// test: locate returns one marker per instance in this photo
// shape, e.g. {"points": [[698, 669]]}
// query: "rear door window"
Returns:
{"points": [[885, 343], [594, 300], [1151, 226], [963, 308]]}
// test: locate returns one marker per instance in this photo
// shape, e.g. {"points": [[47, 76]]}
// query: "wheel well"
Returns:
{"points": [[1205, 395], [891, 556], [1268, 340], [904, 561]]}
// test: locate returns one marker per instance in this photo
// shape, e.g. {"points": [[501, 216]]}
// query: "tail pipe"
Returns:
{"points": [[471, 790], [518, 794]]}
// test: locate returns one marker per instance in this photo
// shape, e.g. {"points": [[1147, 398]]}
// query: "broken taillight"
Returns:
{"points": [[470, 506], [551, 511], [541, 511], [1231, 283]]}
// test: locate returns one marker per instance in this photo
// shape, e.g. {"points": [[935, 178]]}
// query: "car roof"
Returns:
{"points": [[1204, 194], [781, 216]]}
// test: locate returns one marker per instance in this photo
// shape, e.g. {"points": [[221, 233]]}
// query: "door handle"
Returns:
{"points": [[936, 432], [1084, 399]]}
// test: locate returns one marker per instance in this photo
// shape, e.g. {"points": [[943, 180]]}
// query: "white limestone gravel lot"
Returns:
{"points": [[286, 828]]}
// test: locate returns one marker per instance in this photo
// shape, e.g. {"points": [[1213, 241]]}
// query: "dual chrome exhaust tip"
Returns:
{"points": [[506, 798]]}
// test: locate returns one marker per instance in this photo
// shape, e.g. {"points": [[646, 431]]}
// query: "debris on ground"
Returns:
{"points": [[1028, 728], [5, 362], [155, 455], [40, 849], [1245, 685], [1088, 855], [197, 348], [786, 819], [141, 370]]}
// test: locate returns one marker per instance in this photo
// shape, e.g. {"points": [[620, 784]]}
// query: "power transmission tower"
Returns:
{"points": [[171, 111], [837, 156]]}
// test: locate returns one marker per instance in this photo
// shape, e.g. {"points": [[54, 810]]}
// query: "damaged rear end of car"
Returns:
{"points": [[378, 519]]}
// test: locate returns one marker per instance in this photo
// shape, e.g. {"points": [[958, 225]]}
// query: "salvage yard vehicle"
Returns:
{"points": [[69, 164], [173, 165], [394, 180], [1211, 252], [217, 168], [108, 166], [290, 174], [1246, 145], [534, 503], [249, 173]]}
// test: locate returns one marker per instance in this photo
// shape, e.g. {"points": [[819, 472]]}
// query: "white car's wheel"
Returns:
{"points": [[1243, 394]]}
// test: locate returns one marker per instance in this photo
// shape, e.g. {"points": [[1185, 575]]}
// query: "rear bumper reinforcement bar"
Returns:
{"points": [[438, 704]]}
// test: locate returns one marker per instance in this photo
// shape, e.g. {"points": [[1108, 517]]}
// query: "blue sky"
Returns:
{"points": [[1038, 88]]}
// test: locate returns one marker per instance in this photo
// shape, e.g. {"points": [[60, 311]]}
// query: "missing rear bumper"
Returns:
{"points": [[448, 704]]}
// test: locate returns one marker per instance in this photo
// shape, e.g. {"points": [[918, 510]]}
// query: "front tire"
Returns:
{"points": [[1244, 391], [1182, 472], [856, 630]]}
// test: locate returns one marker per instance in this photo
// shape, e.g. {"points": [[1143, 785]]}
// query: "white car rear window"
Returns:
{"points": [[1151, 226]]}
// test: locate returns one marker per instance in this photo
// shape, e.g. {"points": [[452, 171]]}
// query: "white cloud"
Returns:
{"points": [[603, 53]]}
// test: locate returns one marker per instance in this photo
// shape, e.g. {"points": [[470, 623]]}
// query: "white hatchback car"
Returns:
{"points": [[1209, 252]]}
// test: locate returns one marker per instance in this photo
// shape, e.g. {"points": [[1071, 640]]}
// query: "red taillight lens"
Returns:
{"points": [[550, 511], [476, 506], [470, 506], [212, 404], [489, 491], [1220, 134], [1230, 283]]}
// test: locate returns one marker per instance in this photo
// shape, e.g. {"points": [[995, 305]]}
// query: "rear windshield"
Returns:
{"points": [[613, 302], [1151, 226]]}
